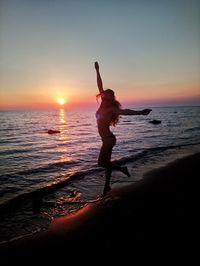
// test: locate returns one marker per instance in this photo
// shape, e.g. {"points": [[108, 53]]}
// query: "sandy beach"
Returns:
{"points": [[151, 215]]}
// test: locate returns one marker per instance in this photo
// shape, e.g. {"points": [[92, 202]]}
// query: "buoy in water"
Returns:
{"points": [[50, 131], [155, 122]]}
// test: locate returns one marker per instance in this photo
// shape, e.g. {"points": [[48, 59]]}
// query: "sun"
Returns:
{"points": [[61, 101]]}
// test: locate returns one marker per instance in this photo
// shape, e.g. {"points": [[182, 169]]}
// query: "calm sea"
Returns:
{"points": [[43, 176]]}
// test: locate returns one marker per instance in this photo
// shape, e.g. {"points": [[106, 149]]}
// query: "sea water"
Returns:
{"points": [[45, 175]]}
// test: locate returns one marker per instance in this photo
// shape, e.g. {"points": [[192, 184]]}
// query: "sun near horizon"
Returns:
{"points": [[61, 101]]}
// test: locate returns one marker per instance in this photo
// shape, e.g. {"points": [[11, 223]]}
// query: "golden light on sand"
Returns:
{"points": [[61, 101]]}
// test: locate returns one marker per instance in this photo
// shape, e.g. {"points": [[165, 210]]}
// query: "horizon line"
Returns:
{"points": [[21, 108]]}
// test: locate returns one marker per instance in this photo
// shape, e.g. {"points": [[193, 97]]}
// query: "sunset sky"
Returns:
{"points": [[148, 51]]}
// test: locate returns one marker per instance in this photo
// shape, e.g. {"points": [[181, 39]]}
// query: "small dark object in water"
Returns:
{"points": [[50, 131], [73, 194], [155, 122]]}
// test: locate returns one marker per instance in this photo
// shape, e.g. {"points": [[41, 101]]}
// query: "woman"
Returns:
{"points": [[108, 115]]}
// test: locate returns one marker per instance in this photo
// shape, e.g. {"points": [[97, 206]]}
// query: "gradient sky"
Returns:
{"points": [[148, 51]]}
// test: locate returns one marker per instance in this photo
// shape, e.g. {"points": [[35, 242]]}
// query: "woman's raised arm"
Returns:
{"points": [[99, 80]]}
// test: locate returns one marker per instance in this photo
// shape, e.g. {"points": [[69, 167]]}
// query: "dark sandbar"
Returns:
{"points": [[151, 215]]}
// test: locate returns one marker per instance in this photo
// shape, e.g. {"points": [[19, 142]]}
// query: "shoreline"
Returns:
{"points": [[147, 215]]}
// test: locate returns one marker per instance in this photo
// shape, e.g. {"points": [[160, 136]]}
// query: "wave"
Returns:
{"points": [[31, 147], [51, 167], [193, 129], [40, 192], [15, 151], [149, 151]]}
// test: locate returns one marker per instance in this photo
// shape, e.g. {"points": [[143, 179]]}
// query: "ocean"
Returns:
{"points": [[43, 176]]}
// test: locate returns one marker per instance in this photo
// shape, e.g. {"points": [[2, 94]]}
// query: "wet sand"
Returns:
{"points": [[152, 216]]}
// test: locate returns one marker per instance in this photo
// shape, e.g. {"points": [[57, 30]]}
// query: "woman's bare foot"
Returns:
{"points": [[125, 171], [106, 190]]}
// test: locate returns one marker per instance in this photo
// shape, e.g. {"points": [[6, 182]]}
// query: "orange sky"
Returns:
{"points": [[148, 52]]}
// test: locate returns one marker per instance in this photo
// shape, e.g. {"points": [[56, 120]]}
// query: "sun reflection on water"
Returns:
{"points": [[63, 138], [62, 116]]}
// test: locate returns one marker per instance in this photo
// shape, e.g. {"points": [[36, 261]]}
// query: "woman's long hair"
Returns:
{"points": [[108, 100]]}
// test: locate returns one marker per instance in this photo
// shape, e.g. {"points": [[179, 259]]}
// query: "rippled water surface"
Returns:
{"points": [[32, 160]]}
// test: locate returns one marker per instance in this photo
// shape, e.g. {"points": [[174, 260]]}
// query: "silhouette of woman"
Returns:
{"points": [[108, 115]]}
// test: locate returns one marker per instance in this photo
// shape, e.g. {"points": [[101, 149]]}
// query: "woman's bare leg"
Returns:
{"points": [[107, 187], [104, 160], [124, 169]]}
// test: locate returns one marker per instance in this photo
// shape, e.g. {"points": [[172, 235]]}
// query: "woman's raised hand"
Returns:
{"points": [[96, 65]]}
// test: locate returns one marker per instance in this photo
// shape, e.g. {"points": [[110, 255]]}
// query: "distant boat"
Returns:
{"points": [[50, 131], [155, 122]]}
